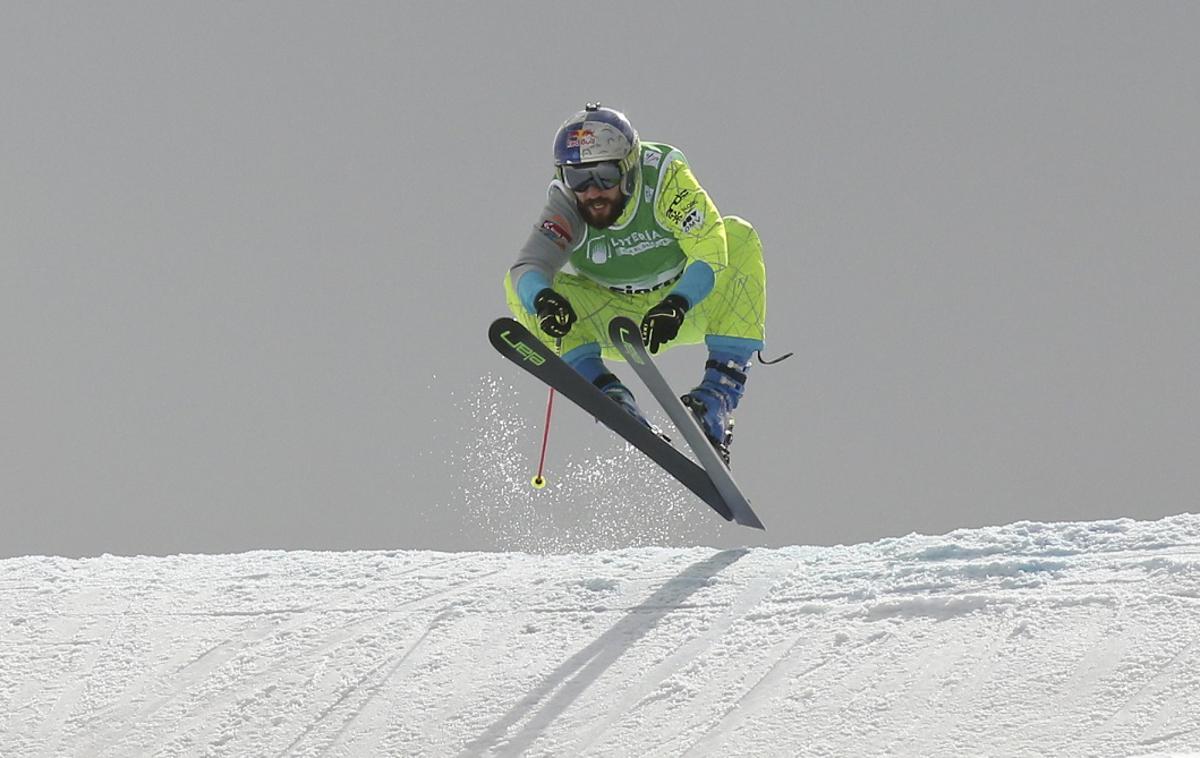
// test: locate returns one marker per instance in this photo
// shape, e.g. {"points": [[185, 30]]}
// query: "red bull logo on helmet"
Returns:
{"points": [[582, 138]]}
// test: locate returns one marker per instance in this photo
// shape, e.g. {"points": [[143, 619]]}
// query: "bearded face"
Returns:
{"points": [[600, 208]]}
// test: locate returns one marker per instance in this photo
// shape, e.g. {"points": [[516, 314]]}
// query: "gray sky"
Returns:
{"points": [[249, 252]]}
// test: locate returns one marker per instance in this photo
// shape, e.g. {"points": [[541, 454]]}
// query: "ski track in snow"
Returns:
{"points": [[1025, 640]]}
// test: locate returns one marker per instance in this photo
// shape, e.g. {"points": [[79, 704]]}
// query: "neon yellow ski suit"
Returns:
{"points": [[668, 224]]}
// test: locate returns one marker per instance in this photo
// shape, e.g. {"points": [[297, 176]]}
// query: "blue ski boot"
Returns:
{"points": [[586, 360], [713, 402], [610, 385]]}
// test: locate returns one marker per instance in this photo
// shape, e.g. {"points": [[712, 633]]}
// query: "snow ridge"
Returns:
{"points": [[1025, 640]]}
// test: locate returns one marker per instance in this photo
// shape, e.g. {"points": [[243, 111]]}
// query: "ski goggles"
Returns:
{"points": [[604, 175]]}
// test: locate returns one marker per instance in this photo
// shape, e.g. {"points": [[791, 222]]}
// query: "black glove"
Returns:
{"points": [[554, 314], [661, 323]]}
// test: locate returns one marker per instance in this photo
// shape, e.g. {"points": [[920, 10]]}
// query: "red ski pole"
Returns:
{"points": [[538, 480]]}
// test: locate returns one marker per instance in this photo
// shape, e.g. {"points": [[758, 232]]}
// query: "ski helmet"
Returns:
{"points": [[597, 134]]}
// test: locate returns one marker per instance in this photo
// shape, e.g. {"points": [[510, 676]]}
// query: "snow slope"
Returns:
{"points": [[1026, 640]]}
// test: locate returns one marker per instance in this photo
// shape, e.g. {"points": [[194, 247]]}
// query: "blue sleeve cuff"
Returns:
{"points": [[695, 284], [531, 283]]}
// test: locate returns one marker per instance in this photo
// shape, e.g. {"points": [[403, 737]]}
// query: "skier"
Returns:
{"points": [[645, 241]]}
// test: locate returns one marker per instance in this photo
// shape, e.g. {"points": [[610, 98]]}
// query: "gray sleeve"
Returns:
{"points": [[551, 239]]}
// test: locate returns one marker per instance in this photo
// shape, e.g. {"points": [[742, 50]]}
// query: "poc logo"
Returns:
{"points": [[527, 352]]}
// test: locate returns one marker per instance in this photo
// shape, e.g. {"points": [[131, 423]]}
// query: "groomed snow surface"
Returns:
{"points": [[1026, 640]]}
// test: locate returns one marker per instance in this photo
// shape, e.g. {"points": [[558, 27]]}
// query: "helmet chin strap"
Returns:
{"points": [[629, 182]]}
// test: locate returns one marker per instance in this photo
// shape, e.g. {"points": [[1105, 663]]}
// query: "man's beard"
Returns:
{"points": [[601, 213]]}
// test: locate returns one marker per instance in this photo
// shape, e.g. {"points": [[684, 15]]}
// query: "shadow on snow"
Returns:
{"points": [[577, 673]]}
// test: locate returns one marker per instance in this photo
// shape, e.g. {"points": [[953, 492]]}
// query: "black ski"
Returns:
{"points": [[514, 342], [627, 338]]}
